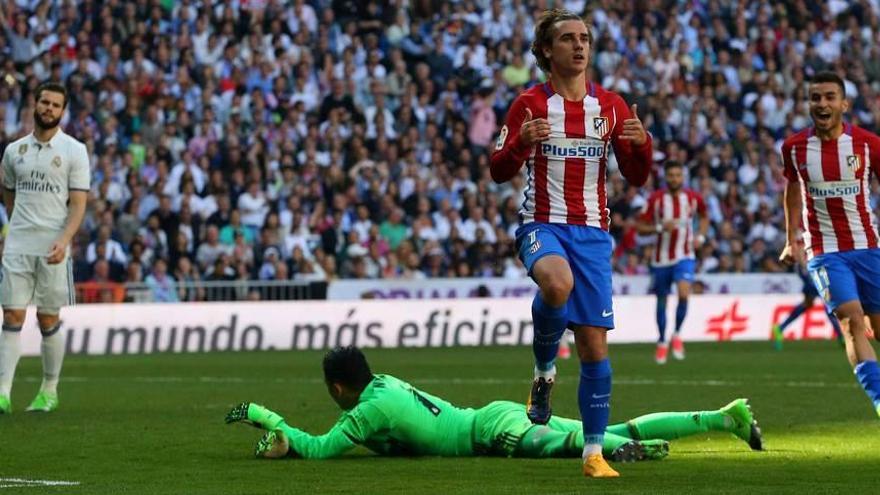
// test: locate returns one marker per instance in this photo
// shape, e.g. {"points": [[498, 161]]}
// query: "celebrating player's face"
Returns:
{"points": [[674, 178], [50, 107], [571, 47], [827, 105]]}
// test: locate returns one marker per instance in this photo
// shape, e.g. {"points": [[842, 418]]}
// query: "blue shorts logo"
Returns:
{"points": [[535, 247]]}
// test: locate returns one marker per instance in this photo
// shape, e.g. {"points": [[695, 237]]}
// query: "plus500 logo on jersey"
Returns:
{"points": [[834, 189], [572, 148]]}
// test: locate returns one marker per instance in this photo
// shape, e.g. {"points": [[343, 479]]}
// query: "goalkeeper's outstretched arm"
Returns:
{"points": [[354, 428]]}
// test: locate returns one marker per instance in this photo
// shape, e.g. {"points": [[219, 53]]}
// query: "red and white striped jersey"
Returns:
{"points": [[681, 207], [835, 179], [566, 173]]}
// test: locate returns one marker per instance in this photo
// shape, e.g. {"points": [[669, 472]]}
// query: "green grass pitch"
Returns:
{"points": [[154, 424]]}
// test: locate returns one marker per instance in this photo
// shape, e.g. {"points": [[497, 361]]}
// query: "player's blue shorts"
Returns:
{"points": [[848, 276], [588, 251], [809, 288], [662, 277]]}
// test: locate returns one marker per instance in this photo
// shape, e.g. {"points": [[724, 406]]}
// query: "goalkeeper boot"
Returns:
{"points": [[43, 402], [5, 405], [254, 415], [272, 445], [744, 424], [596, 467], [641, 450], [778, 337], [538, 407]]}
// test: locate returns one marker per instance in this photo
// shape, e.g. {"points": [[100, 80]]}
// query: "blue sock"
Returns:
{"points": [[661, 318], [680, 312], [795, 314], [594, 396], [835, 324], [549, 324], [868, 374]]}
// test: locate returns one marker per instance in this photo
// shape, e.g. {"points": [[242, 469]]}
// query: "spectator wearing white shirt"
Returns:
{"points": [[187, 166], [363, 223], [211, 248], [477, 221], [253, 206], [113, 250]]}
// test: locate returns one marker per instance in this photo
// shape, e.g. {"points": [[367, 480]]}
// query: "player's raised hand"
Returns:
{"points": [[56, 253], [791, 254], [534, 130], [633, 130]]}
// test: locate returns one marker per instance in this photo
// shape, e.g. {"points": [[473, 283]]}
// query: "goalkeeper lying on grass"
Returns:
{"points": [[391, 417]]}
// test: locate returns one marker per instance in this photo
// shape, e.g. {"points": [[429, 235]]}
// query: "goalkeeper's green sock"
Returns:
{"points": [[672, 425]]}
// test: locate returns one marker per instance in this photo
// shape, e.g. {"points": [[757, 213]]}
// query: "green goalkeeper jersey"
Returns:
{"points": [[392, 418]]}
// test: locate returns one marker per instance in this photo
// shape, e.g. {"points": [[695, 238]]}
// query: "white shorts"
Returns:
{"points": [[28, 279]]}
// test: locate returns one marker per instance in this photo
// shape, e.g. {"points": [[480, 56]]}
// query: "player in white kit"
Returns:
{"points": [[45, 185]]}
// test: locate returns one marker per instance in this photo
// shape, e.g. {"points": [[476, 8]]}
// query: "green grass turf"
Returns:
{"points": [[154, 424]]}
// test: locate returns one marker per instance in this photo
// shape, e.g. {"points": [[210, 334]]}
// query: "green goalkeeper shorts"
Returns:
{"points": [[499, 428]]}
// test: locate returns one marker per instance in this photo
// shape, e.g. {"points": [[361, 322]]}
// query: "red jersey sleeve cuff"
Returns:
{"points": [[519, 149]]}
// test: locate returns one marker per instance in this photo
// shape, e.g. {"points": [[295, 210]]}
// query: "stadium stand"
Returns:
{"points": [[264, 140]]}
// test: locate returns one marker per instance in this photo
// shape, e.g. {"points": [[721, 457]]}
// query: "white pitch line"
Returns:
{"points": [[26, 483], [636, 381]]}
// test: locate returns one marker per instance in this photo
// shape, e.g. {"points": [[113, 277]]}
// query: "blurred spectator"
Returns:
{"points": [[100, 287], [161, 284], [108, 248]]}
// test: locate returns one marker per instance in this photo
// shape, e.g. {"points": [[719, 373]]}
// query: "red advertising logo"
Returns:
{"points": [[812, 325], [728, 323]]}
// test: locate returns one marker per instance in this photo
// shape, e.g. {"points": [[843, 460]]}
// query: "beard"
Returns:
{"points": [[44, 124]]}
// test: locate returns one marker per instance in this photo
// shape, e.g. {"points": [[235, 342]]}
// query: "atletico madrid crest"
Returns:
{"points": [[600, 126], [854, 163]]}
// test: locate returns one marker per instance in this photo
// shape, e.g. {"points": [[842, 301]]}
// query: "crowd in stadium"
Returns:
{"points": [[319, 139]]}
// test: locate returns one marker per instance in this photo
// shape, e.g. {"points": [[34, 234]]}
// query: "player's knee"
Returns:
{"points": [[557, 290], [852, 324], [49, 323], [13, 317], [592, 344]]}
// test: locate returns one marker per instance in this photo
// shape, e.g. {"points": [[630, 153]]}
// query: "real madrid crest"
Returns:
{"points": [[56, 161], [22, 149]]}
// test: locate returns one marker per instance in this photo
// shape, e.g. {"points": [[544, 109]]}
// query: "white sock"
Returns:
{"points": [[52, 349], [10, 351], [591, 449], [548, 375]]}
